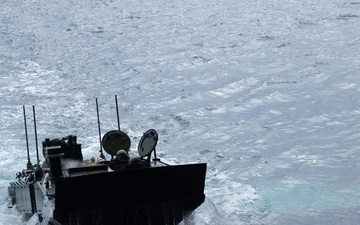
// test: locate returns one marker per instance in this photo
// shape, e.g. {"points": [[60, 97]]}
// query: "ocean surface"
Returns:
{"points": [[267, 92]]}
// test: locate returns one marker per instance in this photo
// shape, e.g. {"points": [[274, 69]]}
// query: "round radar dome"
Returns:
{"points": [[147, 142], [115, 140]]}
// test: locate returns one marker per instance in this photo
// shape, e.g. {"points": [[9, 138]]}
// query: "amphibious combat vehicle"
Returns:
{"points": [[66, 189]]}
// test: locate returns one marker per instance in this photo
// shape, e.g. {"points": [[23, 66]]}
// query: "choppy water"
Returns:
{"points": [[266, 92]]}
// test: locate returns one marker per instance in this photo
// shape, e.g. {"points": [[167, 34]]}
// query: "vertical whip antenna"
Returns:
{"points": [[117, 112], [28, 165], [36, 139], [98, 118]]}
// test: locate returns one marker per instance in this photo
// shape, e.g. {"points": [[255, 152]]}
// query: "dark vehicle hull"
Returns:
{"points": [[155, 195]]}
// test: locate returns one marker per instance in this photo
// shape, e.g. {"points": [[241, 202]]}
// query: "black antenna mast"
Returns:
{"points": [[98, 118], [29, 164], [36, 139], [117, 112]]}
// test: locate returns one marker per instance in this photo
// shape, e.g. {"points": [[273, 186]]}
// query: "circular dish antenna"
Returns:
{"points": [[147, 142], [115, 140]]}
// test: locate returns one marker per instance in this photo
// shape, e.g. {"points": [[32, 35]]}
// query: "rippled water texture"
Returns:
{"points": [[266, 92]]}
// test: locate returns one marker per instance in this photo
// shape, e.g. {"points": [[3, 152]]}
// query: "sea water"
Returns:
{"points": [[265, 92]]}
